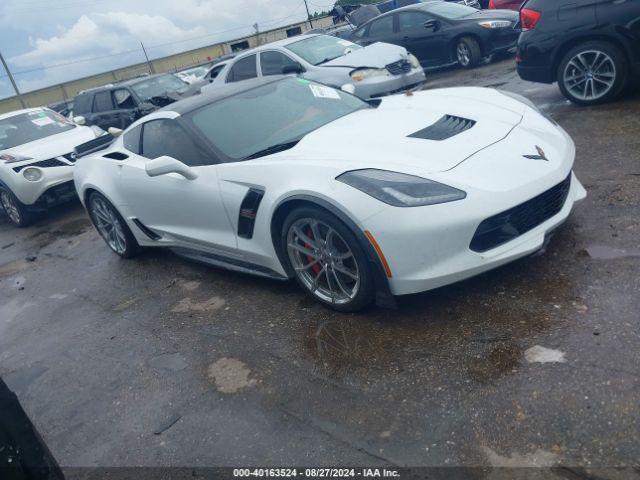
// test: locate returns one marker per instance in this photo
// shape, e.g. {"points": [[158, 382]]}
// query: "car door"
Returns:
{"points": [[379, 30], [244, 68], [273, 62], [422, 34], [104, 114], [189, 212], [622, 16], [126, 107]]}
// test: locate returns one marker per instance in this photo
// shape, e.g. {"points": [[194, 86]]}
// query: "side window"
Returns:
{"points": [[131, 140], [102, 102], [272, 63], [167, 137], [215, 71], [412, 21], [122, 99], [243, 69], [82, 104], [382, 27]]}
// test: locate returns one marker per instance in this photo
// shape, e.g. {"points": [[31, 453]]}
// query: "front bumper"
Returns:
{"points": [[376, 87], [33, 193], [425, 255]]}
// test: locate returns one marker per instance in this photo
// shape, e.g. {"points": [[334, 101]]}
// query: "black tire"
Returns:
{"points": [[16, 211], [124, 245], [619, 72], [472, 52], [364, 294]]}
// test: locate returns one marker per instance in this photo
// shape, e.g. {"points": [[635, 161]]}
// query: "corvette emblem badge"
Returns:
{"points": [[541, 155]]}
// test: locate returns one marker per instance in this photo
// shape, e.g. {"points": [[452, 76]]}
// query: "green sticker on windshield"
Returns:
{"points": [[302, 80]]}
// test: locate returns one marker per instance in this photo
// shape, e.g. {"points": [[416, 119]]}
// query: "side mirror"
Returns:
{"points": [[146, 108], [79, 120], [292, 69], [115, 132], [165, 164], [433, 25]]}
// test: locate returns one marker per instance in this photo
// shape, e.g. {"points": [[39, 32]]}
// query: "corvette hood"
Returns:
{"points": [[377, 55], [381, 137], [55, 145]]}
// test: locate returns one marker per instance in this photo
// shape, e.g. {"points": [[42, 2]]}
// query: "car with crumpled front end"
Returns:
{"points": [[367, 72], [36, 161]]}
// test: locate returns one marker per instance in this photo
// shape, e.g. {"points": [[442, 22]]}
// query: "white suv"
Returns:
{"points": [[36, 161]]}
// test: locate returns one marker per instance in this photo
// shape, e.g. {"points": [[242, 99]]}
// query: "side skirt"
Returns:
{"points": [[228, 263]]}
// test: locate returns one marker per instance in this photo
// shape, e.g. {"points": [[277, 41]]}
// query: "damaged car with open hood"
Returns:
{"points": [[367, 72]]}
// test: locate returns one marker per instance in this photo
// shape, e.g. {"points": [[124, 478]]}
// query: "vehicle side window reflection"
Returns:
{"points": [[273, 63], [382, 27], [244, 69], [411, 21], [167, 137], [131, 140]]}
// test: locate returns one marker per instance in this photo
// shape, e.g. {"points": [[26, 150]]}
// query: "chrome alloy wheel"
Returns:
{"points": [[590, 75], [108, 225], [463, 54], [10, 207], [323, 261]]}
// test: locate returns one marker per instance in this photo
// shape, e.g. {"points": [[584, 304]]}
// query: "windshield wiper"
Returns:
{"points": [[327, 60], [280, 147]]}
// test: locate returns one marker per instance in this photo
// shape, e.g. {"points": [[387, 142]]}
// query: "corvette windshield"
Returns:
{"points": [[31, 126], [271, 117], [321, 49]]}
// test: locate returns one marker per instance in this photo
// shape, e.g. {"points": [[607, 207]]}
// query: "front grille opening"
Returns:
{"points": [[400, 67], [447, 127], [51, 162], [512, 223]]}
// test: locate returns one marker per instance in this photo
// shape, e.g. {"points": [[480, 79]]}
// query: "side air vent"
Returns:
{"points": [[146, 230], [447, 127], [248, 212], [116, 156]]}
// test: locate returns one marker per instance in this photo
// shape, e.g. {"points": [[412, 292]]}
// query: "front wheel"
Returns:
{"points": [[14, 208], [593, 73], [111, 226], [468, 52], [327, 259]]}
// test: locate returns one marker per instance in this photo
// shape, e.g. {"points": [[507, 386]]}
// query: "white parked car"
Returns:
{"points": [[36, 161], [192, 75], [368, 72], [287, 178]]}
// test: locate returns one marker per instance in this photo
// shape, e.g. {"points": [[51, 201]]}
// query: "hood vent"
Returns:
{"points": [[447, 127]]}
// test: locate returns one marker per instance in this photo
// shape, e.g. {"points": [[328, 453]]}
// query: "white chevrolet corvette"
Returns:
{"points": [[36, 161], [358, 201]]}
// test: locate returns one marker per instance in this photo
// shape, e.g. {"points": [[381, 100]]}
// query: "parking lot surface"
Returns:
{"points": [[161, 362]]}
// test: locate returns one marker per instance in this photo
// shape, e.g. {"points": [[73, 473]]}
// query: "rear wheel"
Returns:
{"points": [[468, 52], [15, 209], [112, 227], [593, 73], [327, 259]]}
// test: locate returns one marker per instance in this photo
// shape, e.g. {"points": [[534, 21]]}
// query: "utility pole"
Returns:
{"points": [[151, 69], [308, 14], [257, 28], [13, 82]]}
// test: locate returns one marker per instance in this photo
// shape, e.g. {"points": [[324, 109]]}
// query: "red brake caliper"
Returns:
{"points": [[316, 267]]}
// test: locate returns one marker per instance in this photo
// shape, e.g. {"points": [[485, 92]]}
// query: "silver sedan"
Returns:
{"points": [[368, 72]]}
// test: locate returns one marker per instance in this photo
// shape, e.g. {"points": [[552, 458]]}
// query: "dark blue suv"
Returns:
{"points": [[590, 47]]}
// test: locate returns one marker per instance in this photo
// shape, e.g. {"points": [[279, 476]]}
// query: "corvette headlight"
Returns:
{"points": [[12, 158], [364, 73], [415, 63], [32, 174], [495, 24], [399, 189], [97, 131]]}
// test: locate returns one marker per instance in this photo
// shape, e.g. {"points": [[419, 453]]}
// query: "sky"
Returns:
{"points": [[46, 42]]}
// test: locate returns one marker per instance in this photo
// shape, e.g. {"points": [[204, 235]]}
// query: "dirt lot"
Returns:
{"points": [[158, 361]]}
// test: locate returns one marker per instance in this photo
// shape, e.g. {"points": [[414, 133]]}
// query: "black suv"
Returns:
{"points": [[121, 104], [590, 47]]}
